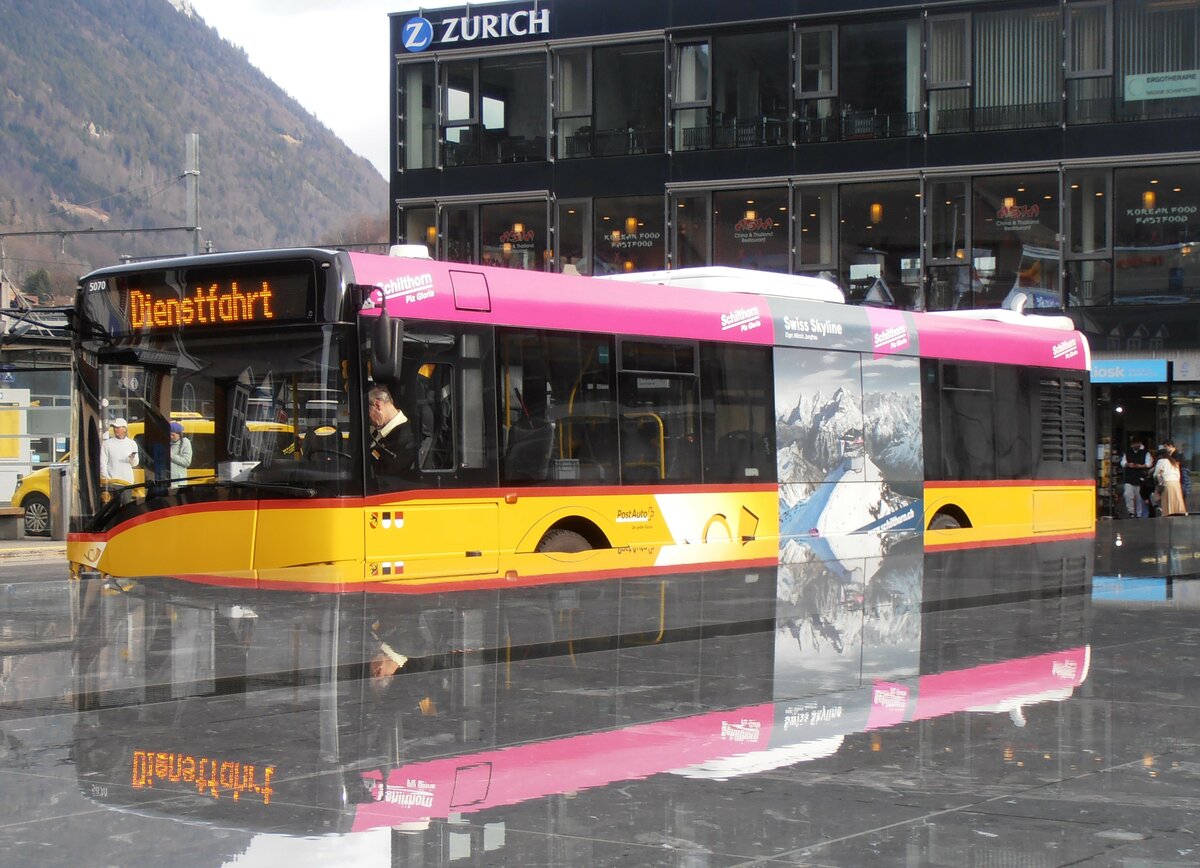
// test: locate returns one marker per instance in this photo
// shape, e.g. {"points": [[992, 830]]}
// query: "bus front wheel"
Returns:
{"points": [[562, 540], [942, 521]]}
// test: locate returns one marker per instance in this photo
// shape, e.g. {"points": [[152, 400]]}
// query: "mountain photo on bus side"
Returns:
{"points": [[850, 468]]}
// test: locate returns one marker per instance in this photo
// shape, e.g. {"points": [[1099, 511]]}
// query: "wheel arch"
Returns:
{"points": [[951, 510]]}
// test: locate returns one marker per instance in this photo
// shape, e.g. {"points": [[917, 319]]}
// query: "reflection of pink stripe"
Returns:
{"points": [[558, 301], [948, 692], [516, 774], [889, 703], [970, 340]]}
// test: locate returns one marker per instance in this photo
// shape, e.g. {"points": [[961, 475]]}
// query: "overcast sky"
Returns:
{"points": [[330, 55]]}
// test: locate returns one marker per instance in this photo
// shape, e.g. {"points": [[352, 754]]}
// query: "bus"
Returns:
{"points": [[514, 694], [560, 424]]}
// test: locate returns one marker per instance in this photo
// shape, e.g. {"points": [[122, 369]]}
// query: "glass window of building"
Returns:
{"points": [[494, 110], [881, 244], [816, 84], [629, 99], [513, 235], [879, 79], [574, 236], [1155, 38], [690, 216], [1089, 62], [628, 234], [1089, 248], [1156, 229], [460, 130], [1017, 89], [952, 280], [949, 78], [816, 231], [622, 112], [573, 102], [460, 233], [750, 229], [419, 226], [690, 94], [418, 145], [750, 96], [1015, 240]]}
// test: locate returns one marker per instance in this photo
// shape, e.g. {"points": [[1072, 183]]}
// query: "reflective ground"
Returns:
{"points": [[1027, 706]]}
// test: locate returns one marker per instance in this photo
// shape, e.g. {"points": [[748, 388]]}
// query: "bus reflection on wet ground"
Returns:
{"points": [[1012, 705]]}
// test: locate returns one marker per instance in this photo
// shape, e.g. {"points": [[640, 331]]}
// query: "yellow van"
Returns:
{"points": [[33, 491]]}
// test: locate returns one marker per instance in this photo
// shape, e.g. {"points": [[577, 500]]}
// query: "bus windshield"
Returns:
{"points": [[243, 405]]}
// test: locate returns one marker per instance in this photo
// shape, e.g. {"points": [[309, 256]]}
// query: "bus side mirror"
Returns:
{"points": [[387, 348]]}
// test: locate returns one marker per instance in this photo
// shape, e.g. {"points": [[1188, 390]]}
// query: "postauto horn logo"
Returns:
{"points": [[419, 33]]}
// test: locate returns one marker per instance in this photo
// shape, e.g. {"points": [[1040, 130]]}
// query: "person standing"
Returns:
{"points": [[181, 452], [118, 455], [1136, 464], [1168, 481]]}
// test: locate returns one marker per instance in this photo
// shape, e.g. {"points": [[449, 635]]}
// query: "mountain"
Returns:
{"points": [[97, 98]]}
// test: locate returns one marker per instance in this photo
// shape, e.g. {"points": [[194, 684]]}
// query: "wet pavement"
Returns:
{"points": [[1032, 705]]}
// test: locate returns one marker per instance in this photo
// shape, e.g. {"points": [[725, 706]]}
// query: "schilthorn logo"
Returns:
{"points": [[1068, 349]]}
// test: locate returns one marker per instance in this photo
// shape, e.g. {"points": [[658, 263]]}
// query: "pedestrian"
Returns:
{"points": [[1136, 464], [118, 455], [1168, 482]]}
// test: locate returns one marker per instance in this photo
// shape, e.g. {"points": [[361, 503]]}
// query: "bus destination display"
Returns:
{"points": [[199, 301]]}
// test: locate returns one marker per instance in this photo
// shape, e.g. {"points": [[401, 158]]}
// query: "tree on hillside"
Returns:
{"points": [[38, 284]]}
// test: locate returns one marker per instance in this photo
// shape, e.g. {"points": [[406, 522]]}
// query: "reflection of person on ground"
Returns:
{"points": [[1168, 482], [1136, 463], [118, 455], [181, 452], [392, 446]]}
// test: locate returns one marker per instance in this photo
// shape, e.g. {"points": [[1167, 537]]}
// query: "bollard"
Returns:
{"points": [[60, 500]]}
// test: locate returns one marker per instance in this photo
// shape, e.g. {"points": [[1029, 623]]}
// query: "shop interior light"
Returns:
{"points": [[1149, 200], [631, 225], [431, 235], [1009, 201], [751, 214], [876, 212], [518, 228]]}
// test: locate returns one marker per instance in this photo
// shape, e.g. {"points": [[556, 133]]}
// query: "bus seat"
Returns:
{"points": [[743, 455], [527, 457]]}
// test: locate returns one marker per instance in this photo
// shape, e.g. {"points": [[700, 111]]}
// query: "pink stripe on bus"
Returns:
{"points": [[422, 289], [984, 341]]}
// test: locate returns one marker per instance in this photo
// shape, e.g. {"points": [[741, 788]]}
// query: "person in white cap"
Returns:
{"points": [[118, 455]]}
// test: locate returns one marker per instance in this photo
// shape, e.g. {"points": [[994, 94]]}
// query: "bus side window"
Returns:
{"points": [[660, 420], [558, 420], [737, 418]]}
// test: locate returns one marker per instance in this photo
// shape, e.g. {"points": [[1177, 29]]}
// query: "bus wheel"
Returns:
{"points": [[942, 521], [561, 540]]}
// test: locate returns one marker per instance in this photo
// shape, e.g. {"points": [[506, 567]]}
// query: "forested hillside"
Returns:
{"points": [[96, 100]]}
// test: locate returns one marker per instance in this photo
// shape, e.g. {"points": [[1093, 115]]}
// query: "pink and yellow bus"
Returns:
{"points": [[559, 424]]}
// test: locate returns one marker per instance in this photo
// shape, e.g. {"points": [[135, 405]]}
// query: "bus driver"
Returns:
{"points": [[392, 446]]}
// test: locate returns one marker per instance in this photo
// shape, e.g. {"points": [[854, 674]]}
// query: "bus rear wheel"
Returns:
{"points": [[943, 521], [562, 540]]}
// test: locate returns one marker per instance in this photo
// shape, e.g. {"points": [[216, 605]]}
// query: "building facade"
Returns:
{"points": [[924, 156]]}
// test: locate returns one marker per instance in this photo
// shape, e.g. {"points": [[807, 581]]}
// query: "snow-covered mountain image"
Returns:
{"points": [[843, 623], [849, 462]]}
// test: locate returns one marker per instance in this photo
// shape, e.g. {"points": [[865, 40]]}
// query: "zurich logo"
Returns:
{"points": [[418, 34]]}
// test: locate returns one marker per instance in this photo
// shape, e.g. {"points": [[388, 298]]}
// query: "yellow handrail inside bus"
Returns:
{"points": [[661, 439]]}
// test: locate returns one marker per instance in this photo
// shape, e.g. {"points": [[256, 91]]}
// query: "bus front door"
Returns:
{"points": [[430, 540]]}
